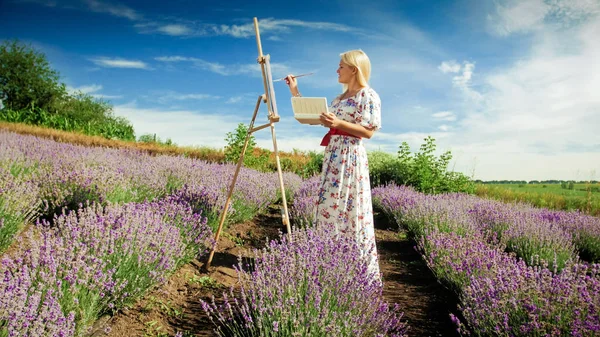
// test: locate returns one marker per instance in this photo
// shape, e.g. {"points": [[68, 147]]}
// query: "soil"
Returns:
{"points": [[175, 305]]}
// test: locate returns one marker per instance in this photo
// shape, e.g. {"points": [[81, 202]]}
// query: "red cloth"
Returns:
{"points": [[332, 132]]}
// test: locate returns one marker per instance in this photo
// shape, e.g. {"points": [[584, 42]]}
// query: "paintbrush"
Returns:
{"points": [[281, 79]]}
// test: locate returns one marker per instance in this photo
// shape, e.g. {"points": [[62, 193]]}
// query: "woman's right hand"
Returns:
{"points": [[291, 81]]}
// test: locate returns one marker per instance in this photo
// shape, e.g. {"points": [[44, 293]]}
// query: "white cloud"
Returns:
{"points": [[518, 16], [463, 80], [575, 10], [175, 30], [449, 67], [175, 96], [278, 26], [538, 117], [389, 141], [197, 128], [246, 99], [173, 58], [531, 166], [188, 28], [234, 100], [182, 97], [86, 89], [113, 9], [91, 90], [184, 127], [102, 96], [199, 63], [444, 127], [530, 16], [267, 26], [107, 62], [444, 116], [253, 69], [288, 141]]}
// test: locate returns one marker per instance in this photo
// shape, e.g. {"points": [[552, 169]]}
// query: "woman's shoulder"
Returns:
{"points": [[370, 94]]}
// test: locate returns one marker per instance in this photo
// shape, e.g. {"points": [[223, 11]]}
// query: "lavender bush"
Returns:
{"points": [[518, 228], [315, 284], [585, 230], [304, 205], [50, 288], [420, 213], [500, 294], [526, 232], [128, 218], [19, 201], [292, 183], [141, 243], [455, 259], [95, 260], [520, 300], [69, 175]]}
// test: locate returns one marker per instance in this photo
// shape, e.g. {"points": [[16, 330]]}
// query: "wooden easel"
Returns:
{"points": [[269, 98]]}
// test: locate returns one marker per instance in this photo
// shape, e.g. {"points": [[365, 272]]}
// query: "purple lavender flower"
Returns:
{"points": [[19, 203], [313, 284], [500, 294], [304, 206], [95, 260]]}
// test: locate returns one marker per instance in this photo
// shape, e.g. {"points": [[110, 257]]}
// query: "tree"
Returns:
{"points": [[235, 143], [26, 79], [84, 108], [429, 173]]}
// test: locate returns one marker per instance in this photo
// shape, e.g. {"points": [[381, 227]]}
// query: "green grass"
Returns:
{"points": [[579, 190], [583, 197]]}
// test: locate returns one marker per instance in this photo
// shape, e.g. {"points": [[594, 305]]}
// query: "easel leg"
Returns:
{"points": [[286, 217], [231, 187]]}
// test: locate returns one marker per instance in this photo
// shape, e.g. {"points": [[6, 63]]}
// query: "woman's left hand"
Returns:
{"points": [[329, 120]]}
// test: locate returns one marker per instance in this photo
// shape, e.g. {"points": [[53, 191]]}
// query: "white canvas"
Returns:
{"points": [[308, 109]]}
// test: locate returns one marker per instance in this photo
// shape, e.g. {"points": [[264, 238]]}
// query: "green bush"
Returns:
{"points": [[109, 127], [152, 138], [258, 160], [235, 143], [428, 173], [384, 168], [31, 94], [314, 165], [423, 170]]}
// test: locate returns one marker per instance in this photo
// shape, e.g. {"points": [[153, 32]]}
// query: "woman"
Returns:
{"points": [[345, 193]]}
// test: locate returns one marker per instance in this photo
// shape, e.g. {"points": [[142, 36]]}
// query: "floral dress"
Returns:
{"points": [[345, 193]]}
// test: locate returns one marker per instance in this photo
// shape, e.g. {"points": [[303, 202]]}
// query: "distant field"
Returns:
{"points": [[579, 190], [583, 197]]}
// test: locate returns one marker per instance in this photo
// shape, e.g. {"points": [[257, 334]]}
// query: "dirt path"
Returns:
{"points": [[175, 306], [408, 281]]}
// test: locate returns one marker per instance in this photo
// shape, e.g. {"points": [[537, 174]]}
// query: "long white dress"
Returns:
{"points": [[345, 194]]}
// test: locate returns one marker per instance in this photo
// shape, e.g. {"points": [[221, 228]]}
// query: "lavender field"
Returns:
{"points": [[86, 232], [310, 284], [517, 270]]}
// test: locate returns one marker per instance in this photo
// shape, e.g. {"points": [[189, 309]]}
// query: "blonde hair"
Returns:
{"points": [[358, 59]]}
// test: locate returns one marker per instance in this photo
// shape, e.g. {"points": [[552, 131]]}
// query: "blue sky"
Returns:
{"points": [[510, 87]]}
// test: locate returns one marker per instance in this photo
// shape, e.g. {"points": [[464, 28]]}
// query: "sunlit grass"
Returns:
{"points": [[583, 197]]}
